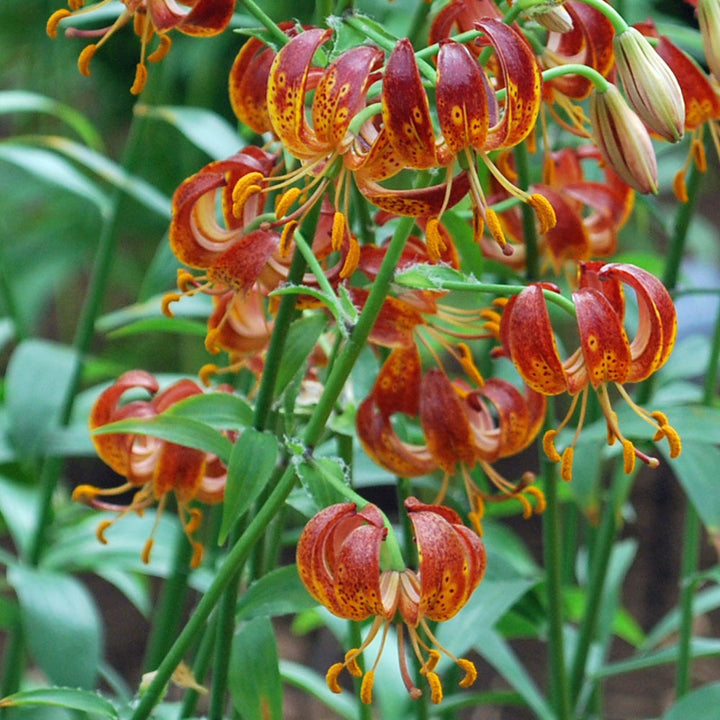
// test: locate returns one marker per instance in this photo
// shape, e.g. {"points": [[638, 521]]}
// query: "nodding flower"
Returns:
{"points": [[150, 18], [339, 561], [153, 468], [606, 356]]}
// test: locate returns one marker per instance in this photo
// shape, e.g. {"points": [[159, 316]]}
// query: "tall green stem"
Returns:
{"points": [[553, 567], [240, 552], [532, 261]]}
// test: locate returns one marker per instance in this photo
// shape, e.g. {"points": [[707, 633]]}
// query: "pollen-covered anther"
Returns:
{"points": [[167, 301], [147, 549], [286, 237], [527, 507], [206, 373], [100, 531], [351, 663], [85, 494], [194, 521], [539, 495], [436, 691], [54, 20], [566, 463], [434, 240], [366, 687], [351, 259], [161, 50], [244, 189], [466, 360], [495, 228], [331, 677], [197, 554], [433, 659], [284, 202], [141, 75], [470, 672], [211, 344], [679, 187], [548, 443], [628, 456], [697, 151], [338, 230], [544, 210], [86, 55]]}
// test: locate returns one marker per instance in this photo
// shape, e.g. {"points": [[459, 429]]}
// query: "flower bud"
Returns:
{"points": [[708, 13], [651, 87], [552, 16], [623, 140]]}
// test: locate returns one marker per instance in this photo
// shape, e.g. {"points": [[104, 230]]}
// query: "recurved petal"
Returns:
{"points": [[341, 92], [451, 560], [406, 111], [315, 552], [248, 85], [657, 319], [529, 340], [114, 449], [461, 96], [287, 91], [357, 573], [604, 343], [521, 79], [381, 443], [445, 423], [416, 202], [207, 17]]}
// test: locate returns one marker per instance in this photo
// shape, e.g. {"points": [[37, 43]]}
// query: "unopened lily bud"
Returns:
{"points": [[623, 140], [708, 13], [651, 87], [552, 16]]}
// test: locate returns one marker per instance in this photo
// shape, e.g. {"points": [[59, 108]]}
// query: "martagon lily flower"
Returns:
{"points": [[606, 356], [153, 468], [339, 560], [150, 17], [462, 427]]}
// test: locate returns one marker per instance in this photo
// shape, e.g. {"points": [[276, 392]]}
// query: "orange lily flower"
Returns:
{"points": [[605, 356], [589, 213], [150, 17], [472, 123], [153, 468], [338, 558], [461, 427]]}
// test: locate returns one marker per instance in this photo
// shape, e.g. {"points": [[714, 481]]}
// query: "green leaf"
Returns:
{"points": [[66, 697], [50, 168], [251, 464], [280, 592], [107, 170], [16, 101], [697, 469], [299, 676], [205, 129], [61, 623], [179, 430], [700, 704], [254, 676], [38, 379], [18, 507], [219, 409], [325, 480], [301, 339]]}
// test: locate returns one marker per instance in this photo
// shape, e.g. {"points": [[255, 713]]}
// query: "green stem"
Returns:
{"points": [[240, 552], [172, 602], [553, 565], [275, 32], [532, 262], [691, 540], [617, 20], [421, 14], [601, 553], [601, 84], [201, 664], [323, 10]]}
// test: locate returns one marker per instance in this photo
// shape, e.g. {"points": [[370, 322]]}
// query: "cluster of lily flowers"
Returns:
{"points": [[416, 133]]}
